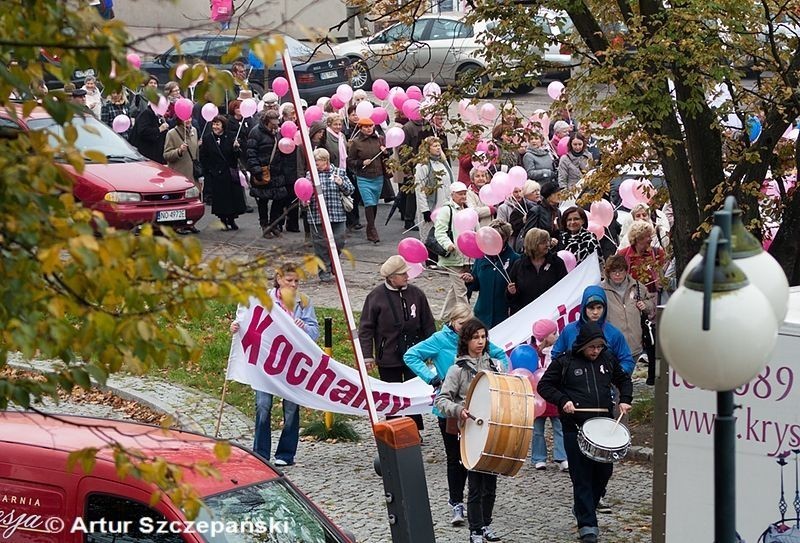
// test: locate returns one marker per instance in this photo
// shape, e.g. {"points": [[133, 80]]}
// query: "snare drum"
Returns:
{"points": [[498, 441], [603, 440]]}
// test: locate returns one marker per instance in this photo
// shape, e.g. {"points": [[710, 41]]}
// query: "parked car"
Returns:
{"points": [[439, 47], [130, 189], [251, 501], [318, 73]]}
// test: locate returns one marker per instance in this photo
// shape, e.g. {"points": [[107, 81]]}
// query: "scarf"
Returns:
{"points": [[342, 148]]}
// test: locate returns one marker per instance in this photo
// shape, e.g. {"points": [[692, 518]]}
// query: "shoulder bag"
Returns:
{"points": [[266, 176], [430, 241]]}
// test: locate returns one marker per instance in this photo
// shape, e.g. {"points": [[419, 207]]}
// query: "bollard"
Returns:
{"points": [[400, 464], [328, 349]]}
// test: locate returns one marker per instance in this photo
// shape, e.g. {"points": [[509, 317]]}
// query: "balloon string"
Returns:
{"points": [[443, 269], [500, 269], [237, 130], [203, 131]]}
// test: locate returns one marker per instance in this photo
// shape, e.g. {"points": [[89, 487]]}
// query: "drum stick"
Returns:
{"points": [[619, 418], [591, 410], [478, 421]]}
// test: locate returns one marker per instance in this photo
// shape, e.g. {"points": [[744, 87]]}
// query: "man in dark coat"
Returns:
{"points": [[150, 133], [395, 317]]}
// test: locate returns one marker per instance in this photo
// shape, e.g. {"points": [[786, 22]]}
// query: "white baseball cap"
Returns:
{"points": [[458, 186]]}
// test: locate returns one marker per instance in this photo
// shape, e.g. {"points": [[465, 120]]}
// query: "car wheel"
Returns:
{"points": [[359, 73], [522, 89], [471, 79]]}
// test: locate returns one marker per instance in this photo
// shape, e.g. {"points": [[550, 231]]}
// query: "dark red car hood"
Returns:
{"points": [[142, 177]]}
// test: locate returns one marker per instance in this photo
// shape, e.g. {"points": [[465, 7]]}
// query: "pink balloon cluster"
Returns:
{"points": [[635, 191], [489, 240], [539, 404], [601, 214], [502, 185]]}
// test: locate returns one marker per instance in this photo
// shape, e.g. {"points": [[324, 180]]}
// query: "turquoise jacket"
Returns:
{"points": [[441, 349]]}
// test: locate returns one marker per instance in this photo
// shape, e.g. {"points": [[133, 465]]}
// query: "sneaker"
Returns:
{"points": [[489, 535], [603, 506], [458, 515], [280, 462], [589, 538], [540, 466], [563, 465], [475, 538], [325, 277]]}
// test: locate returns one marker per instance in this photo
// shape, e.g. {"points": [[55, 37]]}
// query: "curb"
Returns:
{"points": [[192, 410], [640, 454]]}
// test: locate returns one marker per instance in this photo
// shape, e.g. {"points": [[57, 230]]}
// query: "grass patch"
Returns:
{"points": [[642, 411], [211, 331]]}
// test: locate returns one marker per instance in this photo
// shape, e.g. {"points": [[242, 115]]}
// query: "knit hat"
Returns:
{"points": [[550, 188], [589, 332], [543, 328], [559, 126], [366, 121], [394, 265], [530, 187]]}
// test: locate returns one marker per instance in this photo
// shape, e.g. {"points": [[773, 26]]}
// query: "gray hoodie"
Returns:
{"points": [[453, 394]]}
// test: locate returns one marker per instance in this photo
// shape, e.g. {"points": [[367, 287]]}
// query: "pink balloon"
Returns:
{"points": [[488, 112], [522, 372], [322, 100], [344, 91], [431, 90], [563, 146], [414, 93], [364, 109], [399, 97], [555, 89], [242, 179], [517, 175], [489, 240], [471, 113], [288, 129], [313, 114], [412, 250], [209, 111], [411, 109], [303, 189], [134, 60], [602, 212], [435, 213], [248, 107], [462, 106], [298, 138], [596, 229], [501, 185], [467, 243], [161, 107], [336, 102], [536, 377], [379, 115], [180, 70], [488, 196], [183, 109], [569, 259], [465, 220], [539, 406], [626, 193], [121, 123], [380, 88], [415, 270], [394, 137], [280, 86], [286, 145]]}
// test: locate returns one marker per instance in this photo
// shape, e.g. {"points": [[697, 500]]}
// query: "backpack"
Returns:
{"points": [[221, 10]]}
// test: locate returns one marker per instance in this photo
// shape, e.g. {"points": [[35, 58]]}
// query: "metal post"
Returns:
{"points": [[725, 470], [328, 348], [660, 443]]}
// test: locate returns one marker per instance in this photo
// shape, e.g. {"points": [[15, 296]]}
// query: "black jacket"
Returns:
{"points": [[260, 144], [573, 377], [531, 283], [219, 159], [148, 139], [543, 216]]}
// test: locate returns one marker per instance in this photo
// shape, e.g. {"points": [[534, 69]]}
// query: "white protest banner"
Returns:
{"points": [[270, 353], [562, 303]]}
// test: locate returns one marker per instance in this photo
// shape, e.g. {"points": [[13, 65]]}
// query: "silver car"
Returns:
{"points": [[441, 48]]}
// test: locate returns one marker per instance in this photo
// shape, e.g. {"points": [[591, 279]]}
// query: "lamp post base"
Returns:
{"points": [[725, 470]]}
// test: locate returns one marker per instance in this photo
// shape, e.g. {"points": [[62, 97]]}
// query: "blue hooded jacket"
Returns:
{"points": [[441, 348], [614, 338]]}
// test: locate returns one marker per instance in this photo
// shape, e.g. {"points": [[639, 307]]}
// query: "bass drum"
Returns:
{"points": [[499, 439]]}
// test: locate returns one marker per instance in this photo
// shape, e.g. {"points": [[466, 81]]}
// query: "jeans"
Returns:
{"points": [[589, 480], [539, 446], [480, 499], [290, 435], [320, 242], [456, 472]]}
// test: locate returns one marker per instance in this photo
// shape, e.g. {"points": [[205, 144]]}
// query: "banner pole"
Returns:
{"points": [[336, 264]]}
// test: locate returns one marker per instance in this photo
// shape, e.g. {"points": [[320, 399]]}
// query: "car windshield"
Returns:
{"points": [[92, 136], [296, 48], [265, 512]]}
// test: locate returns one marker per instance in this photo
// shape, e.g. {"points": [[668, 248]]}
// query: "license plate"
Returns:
{"points": [[171, 215], [329, 75], [83, 73]]}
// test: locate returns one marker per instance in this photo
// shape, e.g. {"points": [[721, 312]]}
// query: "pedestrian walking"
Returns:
{"points": [[219, 155], [267, 183], [365, 156]]}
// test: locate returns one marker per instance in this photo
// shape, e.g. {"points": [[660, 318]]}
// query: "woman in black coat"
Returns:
{"points": [[149, 134], [535, 272], [218, 154], [262, 154]]}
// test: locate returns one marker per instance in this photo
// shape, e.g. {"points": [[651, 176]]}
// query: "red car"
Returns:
{"points": [[43, 501], [130, 189]]}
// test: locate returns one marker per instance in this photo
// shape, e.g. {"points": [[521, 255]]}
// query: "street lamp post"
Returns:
{"points": [[705, 339]]}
